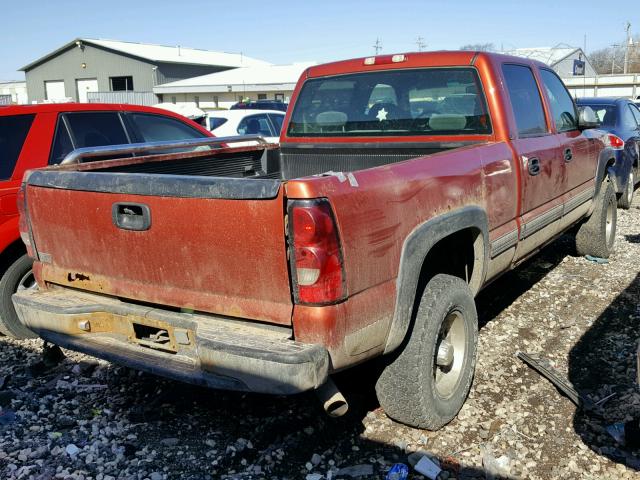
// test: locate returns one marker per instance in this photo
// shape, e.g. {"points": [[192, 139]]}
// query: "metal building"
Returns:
{"points": [[87, 67], [223, 89], [566, 61]]}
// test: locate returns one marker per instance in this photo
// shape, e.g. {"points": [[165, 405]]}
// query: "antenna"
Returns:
{"points": [[420, 43], [378, 46]]}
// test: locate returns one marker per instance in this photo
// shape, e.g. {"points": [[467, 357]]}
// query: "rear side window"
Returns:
{"points": [[215, 122], [13, 132], [562, 106], [96, 129], [525, 100], [148, 127]]}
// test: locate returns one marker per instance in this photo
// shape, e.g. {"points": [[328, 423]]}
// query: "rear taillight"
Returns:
{"points": [[615, 142], [315, 253], [23, 223]]}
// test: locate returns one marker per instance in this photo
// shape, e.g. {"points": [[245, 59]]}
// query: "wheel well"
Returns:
{"points": [[10, 254], [459, 254]]}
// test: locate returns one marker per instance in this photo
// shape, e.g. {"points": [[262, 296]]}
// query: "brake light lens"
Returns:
{"points": [[23, 222], [615, 142], [315, 253]]}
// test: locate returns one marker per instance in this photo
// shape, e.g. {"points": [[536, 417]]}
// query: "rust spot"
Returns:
{"points": [[72, 277]]}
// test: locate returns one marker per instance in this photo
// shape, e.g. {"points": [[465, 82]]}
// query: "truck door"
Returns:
{"points": [[575, 147], [543, 173]]}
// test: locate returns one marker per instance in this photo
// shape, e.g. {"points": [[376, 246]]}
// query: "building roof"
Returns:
{"points": [[159, 53], [253, 76], [548, 55]]}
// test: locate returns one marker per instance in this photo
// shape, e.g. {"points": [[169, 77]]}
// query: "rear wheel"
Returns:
{"points": [[597, 235], [18, 276], [428, 381], [626, 198]]}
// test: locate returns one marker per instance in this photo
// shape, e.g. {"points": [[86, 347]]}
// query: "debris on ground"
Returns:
{"points": [[580, 317], [601, 261], [399, 471]]}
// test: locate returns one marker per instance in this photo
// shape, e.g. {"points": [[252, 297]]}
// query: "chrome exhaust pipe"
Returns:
{"points": [[333, 402]]}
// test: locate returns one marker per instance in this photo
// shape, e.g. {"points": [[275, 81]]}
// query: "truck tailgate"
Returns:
{"points": [[218, 255]]}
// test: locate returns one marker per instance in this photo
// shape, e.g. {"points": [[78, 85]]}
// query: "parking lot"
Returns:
{"points": [[88, 419]]}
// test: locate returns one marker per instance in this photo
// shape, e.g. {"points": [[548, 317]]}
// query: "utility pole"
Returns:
{"points": [[420, 43], [613, 56], [378, 46], [628, 43]]}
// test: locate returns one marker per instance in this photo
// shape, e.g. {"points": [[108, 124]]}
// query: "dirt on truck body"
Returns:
{"points": [[403, 185]]}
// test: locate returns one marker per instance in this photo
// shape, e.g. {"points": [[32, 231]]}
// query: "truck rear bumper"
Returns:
{"points": [[207, 350]]}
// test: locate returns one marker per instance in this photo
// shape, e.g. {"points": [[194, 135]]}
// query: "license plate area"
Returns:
{"points": [[153, 334]]}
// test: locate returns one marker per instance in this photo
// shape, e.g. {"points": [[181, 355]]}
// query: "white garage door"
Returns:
{"points": [[85, 86], [54, 90]]}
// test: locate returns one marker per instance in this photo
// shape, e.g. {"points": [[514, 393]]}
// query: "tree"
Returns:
{"points": [[479, 47], [611, 59]]}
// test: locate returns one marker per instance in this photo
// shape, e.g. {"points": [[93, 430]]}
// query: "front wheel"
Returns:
{"points": [[626, 198], [18, 276], [428, 381]]}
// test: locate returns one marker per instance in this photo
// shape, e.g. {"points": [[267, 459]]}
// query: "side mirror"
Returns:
{"points": [[587, 118]]}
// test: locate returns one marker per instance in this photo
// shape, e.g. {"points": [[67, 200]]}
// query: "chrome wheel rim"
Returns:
{"points": [[630, 186], [611, 211], [450, 354], [27, 282]]}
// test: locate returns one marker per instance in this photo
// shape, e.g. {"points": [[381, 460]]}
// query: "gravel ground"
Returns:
{"points": [[88, 419]]}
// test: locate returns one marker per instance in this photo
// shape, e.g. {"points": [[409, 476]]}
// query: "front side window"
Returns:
{"points": [[277, 121], [636, 113], [62, 144], [13, 132], [156, 128], [255, 125], [96, 129], [429, 101], [525, 100], [562, 106]]}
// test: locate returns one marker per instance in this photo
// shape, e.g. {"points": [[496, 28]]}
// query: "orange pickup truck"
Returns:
{"points": [[403, 185]]}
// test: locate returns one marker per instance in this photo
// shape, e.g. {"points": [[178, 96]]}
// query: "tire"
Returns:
{"points": [[17, 276], [626, 198], [415, 388], [597, 235]]}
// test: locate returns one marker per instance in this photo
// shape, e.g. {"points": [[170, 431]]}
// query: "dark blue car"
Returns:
{"points": [[621, 118]]}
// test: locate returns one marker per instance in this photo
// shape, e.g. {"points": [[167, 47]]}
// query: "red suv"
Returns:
{"points": [[35, 136]]}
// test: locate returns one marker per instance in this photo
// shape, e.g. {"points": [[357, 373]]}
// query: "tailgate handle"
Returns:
{"points": [[131, 216]]}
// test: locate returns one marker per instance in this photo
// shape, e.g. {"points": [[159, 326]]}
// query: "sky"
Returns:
{"points": [[313, 30]]}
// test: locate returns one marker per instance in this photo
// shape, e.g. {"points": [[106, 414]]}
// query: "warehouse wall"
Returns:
{"points": [[100, 64]]}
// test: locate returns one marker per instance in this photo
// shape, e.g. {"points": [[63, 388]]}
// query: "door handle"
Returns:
{"points": [[131, 216], [534, 166], [568, 155]]}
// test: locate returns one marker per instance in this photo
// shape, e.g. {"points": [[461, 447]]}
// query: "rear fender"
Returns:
{"points": [[414, 251], [606, 167]]}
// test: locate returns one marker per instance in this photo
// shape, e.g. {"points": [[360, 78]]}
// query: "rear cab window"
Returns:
{"points": [[424, 101], [13, 132], [525, 100]]}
